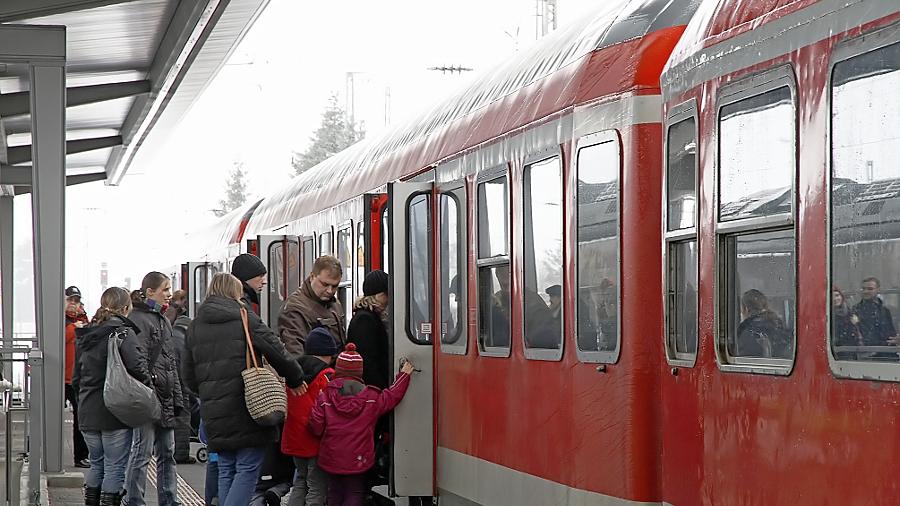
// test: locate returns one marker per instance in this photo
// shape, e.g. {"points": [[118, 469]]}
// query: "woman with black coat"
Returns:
{"points": [[108, 439], [216, 355], [368, 329]]}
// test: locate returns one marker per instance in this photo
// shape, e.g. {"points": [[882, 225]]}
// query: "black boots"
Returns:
{"points": [[91, 496], [110, 499]]}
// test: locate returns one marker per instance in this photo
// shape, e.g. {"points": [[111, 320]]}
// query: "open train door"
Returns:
{"points": [[196, 275], [411, 261], [281, 256]]}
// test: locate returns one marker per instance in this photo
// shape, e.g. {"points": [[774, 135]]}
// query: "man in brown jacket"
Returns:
{"points": [[314, 305]]}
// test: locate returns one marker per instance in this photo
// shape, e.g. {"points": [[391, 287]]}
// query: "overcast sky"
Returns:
{"points": [[267, 101]]}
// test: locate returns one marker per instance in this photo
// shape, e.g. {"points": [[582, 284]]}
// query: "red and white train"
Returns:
{"points": [[569, 241]]}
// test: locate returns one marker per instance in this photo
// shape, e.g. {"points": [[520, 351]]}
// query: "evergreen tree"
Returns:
{"points": [[235, 190], [335, 133]]}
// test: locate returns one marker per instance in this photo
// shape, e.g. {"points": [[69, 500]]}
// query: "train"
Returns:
{"points": [[572, 238]]}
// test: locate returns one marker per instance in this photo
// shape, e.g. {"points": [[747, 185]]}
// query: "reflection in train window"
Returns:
{"points": [[597, 299], [681, 175], [493, 267], [452, 274], [325, 247], [756, 157], [418, 282], [277, 294], [865, 206], [760, 291], [360, 256], [682, 299], [309, 256], [543, 223], [345, 252]]}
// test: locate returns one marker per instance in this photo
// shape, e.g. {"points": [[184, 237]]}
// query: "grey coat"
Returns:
{"points": [[155, 338]]}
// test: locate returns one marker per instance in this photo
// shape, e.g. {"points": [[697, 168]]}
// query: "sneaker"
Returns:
{"points": [[83, 463]]}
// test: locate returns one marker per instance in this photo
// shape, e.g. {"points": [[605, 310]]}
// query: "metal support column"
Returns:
{"points": [[48, 119], [6, 276]]}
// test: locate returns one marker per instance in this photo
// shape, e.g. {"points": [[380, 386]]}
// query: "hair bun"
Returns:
{"points": [[350, 347]]}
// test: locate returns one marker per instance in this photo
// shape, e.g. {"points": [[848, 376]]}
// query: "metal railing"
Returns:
{"points": [[17, 410]]}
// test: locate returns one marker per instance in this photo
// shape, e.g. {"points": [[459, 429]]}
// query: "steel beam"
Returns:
{"points": [[32, 43], [15, 10], [19, 103], [25, 188], [48, 119], [6, 274], [22, 154]]}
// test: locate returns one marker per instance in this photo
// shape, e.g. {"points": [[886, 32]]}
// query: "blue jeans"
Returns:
{"points": [[144, 440], [108, 452], [211, 488], [238, 473]]}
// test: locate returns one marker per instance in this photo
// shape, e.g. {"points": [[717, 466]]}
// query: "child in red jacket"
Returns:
{"points": [[310, 482], [344, 417]]}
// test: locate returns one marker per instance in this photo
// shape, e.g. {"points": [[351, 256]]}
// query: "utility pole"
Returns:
{"points": [[545, 14], [350, 98]]}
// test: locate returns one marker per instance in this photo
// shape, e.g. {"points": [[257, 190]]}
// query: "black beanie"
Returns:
{"points": [[247, 266], [375, 282]]}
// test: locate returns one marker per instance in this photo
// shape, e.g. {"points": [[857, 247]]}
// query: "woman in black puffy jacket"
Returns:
{"points": [[216, 355], [108, 439]]}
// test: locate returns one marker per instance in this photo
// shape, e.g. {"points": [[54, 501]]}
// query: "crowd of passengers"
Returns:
{"points": [[337, 378]]}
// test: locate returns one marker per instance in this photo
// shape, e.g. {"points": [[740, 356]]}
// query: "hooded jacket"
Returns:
{"points": [[89, 375], [216, 355], [302, 312], [344, 418], [155, 340], [296, 440]]}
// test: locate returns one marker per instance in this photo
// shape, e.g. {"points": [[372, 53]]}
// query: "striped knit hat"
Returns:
{"points": [[349, 364]]}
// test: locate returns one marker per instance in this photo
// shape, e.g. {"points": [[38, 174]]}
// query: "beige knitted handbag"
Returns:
{"points": [[263, 391]]}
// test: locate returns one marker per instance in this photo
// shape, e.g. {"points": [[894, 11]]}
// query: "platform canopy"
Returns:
{"points": [[134, 67]]}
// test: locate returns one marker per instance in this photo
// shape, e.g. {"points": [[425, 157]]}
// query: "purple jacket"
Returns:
{"points": [[344, 417]]}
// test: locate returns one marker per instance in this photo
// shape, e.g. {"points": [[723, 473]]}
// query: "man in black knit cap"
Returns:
{"points": [[252, 273]]}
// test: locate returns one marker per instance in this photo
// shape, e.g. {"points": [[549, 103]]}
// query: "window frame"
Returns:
{"points": [[496, 172], [359, 240], [407, 265], [844, 50], [551, 355], [681, 112], [594, 139], [751, 86], [461, 345]]}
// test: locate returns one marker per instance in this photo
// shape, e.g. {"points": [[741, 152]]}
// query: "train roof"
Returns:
{"points": [[497, 101]]}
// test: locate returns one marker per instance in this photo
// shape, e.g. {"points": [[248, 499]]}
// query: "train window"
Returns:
{"points": [[681, 243], [681, 175], [493, 267], [201, 283], [756, 158], [597, 298], [360, 256], [309, 256], [493, 226], [865, 210], [493, 310], [756, 253], [418, 279], [325, 247], [345, 251], [543, 224], [453, 274], [277, 285]]}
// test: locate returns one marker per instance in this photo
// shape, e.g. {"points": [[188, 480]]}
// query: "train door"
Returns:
{"points": [[376, 231], [411, 266], [198, 276], [281, 255]]}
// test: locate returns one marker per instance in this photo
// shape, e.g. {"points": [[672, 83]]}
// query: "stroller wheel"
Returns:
{"points": [[202, 454]]}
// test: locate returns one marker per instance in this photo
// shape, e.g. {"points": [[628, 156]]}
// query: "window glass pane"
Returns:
{"points": [[682, 295], [760, 291], [360, 257], [452, 256], [419, 264], [325, 244], [598, 247], [543, 254], [201, 283], [681, 160], [865, 205], [493, 214], [757, 156], [293, 269], [493, 307], [345, 252], [309, 256], [276, 283]]}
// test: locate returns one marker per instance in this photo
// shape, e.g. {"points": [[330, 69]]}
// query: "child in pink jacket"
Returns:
{"points": [[344, 417]]}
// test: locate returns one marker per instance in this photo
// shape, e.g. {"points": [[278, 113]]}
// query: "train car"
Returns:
{"points": [[520, 223], [780, 254]]}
